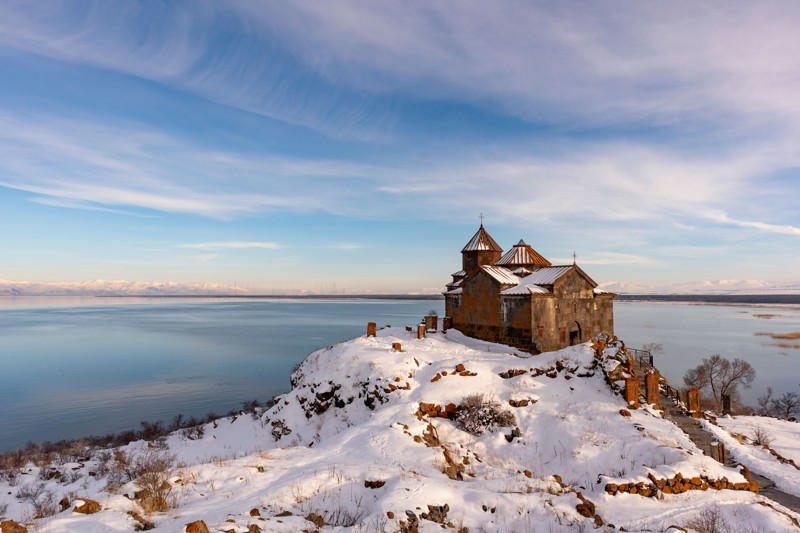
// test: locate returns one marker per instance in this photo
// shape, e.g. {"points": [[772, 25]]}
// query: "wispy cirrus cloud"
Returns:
{"points": [[231, 245], [84, 165], [782, 229], [667, 63]]}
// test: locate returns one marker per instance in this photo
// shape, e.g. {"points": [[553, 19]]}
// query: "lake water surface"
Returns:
{"points": [[74, 367]]}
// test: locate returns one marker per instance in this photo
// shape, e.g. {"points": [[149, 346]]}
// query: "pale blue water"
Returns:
{"points": [[690, 332], [75, 367]]}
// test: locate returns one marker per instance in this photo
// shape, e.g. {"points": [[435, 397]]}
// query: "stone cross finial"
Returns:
{"points": [[574, 258], [481, 217]]}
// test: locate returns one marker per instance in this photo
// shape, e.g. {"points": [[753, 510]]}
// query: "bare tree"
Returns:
{"points": [[786, 406], [720, 377], [655, 348], [765, 403]]}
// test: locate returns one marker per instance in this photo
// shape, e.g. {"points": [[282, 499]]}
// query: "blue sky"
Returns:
{"points": [[297, 145]]}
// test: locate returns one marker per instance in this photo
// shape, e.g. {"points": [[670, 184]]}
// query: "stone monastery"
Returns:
{"points": [[519, 298]]}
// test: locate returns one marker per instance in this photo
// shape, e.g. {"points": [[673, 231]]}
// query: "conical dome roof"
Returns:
{"points": [[522, 255], [481, 241]]}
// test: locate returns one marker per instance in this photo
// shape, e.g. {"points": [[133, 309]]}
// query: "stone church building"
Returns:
{"points": [[519, 298]]}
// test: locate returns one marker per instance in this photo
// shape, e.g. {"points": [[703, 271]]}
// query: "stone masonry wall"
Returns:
{"points": [[532, 323]]}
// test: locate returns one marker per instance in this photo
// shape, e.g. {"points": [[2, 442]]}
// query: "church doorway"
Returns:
{"points": [[575, 335]]}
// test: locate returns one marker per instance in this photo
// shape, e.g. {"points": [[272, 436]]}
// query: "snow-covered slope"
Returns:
{"points": [[102, 287], [779, 460], [355, 446]]}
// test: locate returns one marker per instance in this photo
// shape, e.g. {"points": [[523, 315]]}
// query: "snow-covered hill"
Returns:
{"points": [[102, 287], [369, 439]]}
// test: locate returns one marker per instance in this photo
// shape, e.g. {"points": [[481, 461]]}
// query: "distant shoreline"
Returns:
{"points": [[288, 296], [764, 299], [713, 298]]}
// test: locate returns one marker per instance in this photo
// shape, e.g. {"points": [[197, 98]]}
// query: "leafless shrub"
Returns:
{"points": [[39, 497], [3, 509], [477, 414], [709, 520], [119, 468], [152, 469], [761, 436]]}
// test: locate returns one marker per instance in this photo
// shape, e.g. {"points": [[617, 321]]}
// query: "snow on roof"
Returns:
{"points": [[521, 271], [526, 289], [459, 274], [454, 291], [522, 254], [454, 284], [600, 291], [481, 241], [546, 275], [536, 282], [502, 275]]}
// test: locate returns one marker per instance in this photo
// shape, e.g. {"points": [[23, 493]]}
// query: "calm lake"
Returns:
{"points": [[73, 367]]}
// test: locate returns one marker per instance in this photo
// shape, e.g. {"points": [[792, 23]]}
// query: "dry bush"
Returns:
{"points": [[477, 414], [709, 520], [762, 437], [41, 499], [152, 469]]}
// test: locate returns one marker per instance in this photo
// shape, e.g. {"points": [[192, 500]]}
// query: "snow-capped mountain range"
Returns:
{"points": [[101, 287], [723, 286]]}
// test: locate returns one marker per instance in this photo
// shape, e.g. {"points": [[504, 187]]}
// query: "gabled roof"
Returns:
{"points": [[454, 284], [541, 281], [459, 274], [481, 241], [546, 276], [522, 254], [502, 275], [526, 289]]}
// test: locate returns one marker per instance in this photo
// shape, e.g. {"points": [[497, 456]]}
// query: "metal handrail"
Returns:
{"points": [[643, 357]]}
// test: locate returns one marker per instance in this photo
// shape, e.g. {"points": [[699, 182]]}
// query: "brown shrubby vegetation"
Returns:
{"points": [[477, 414]]}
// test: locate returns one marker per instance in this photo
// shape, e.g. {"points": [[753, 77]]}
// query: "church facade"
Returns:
{"points": [[519, 298]]}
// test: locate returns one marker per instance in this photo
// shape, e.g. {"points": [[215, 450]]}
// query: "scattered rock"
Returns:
{"points": [[512, 372], [197, 526], [390, 515], [255, 512], [253, 528], [86, 506], [515, 433], [436, 513], [9, 526], [142, 523], [316, 519], [374, 484], [64, 504], [625, 412], [411, 525]]}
